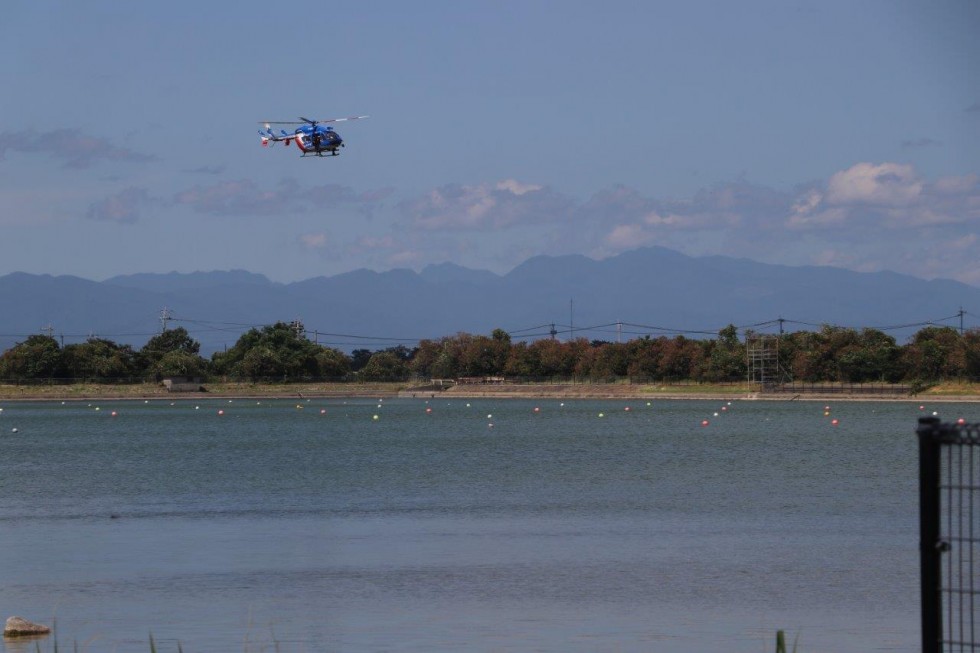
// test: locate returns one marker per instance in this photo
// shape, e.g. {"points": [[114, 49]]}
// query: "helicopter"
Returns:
{"points": [[312, 138]]}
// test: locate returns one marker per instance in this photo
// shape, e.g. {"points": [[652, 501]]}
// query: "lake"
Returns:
{"points": [[463, 525]]}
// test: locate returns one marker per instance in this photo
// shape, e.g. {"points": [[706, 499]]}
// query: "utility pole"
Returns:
{"points": [[571, 319], [553, 331], [49, 330], [165, 317], [961, 320], [619, 332], [780, 320]]}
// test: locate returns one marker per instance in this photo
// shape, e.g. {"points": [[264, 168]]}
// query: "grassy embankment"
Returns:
{"points": [[956, 391]]}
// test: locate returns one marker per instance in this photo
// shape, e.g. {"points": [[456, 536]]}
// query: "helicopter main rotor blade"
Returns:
{"points": [[345, 119], [307, 121]]}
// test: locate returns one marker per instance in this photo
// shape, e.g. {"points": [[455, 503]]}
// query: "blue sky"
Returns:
{"points": [[842, 133]]}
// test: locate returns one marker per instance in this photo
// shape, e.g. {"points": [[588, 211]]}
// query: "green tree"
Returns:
{"points": [[483, 356], [874, 357], [448, 362], [179, 363], [38, 357], [166, 354], [332, 364], [279, 351], [612, 360], [101, 359], [724, 358], [935, 354], [645, 356], [385, 366], [359, 358], [425, 357], [522, 361], [556, 360], [971, 354]]}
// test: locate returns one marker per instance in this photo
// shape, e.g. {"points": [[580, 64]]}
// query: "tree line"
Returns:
{"points": [[282, 352]]}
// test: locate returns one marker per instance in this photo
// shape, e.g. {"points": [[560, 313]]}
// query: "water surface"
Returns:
{"points": [[480, 525]]}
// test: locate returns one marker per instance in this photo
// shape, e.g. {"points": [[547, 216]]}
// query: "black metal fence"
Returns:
{"points": [[828, 388], [949, 535]]}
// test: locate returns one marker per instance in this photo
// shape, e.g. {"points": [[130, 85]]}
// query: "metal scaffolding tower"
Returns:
{"points": [[762, 351]]}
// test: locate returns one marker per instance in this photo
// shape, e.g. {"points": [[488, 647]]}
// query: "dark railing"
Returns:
{"points": [[871, 389], [949, 535]]}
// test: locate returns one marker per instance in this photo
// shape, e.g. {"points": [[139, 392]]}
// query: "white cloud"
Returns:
{"points": [[377, 242], [804, 217], [965, 243], [314, 241], [407, 258], [516, 187], [886, 196], [485, 206], [234, 197], [628, 236], [864, 217], [245, 197], [885, 184], [957, 185], [77, 149], [123, 207]]}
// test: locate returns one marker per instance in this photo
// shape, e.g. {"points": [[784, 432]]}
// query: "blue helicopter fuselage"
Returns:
{"points": [[317, 139]]}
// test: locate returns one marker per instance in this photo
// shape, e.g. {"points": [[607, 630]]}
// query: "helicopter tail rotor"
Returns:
{"points": [[270, 138]]}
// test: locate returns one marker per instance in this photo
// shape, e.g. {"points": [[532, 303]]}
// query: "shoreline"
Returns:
{"points": [[148, 391]]}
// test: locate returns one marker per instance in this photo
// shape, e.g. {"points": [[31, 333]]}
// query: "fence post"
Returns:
{"points": [[929, 525]]}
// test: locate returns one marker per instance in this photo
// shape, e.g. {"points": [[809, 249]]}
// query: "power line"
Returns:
{"points": [[549, 330]]}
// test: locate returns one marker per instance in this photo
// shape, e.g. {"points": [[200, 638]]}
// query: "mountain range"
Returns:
{"points": [[645, 291]]}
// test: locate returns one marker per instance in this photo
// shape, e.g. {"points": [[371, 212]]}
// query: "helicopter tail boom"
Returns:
{"points": [[268, 137]]}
